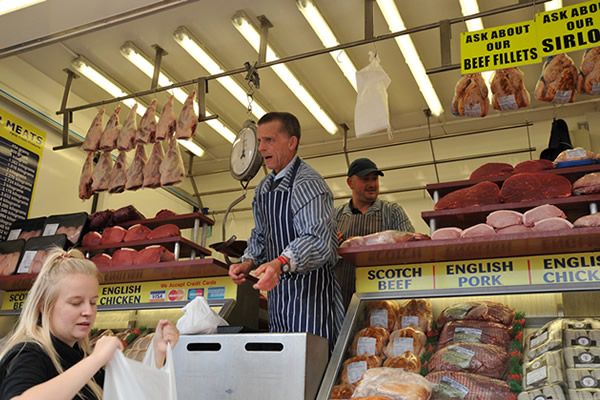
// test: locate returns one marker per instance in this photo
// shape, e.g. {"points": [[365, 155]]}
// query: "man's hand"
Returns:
{"points": [[238, 272], [268, 275]]}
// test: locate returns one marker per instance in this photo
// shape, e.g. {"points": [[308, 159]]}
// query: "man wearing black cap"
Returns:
{"points": [[365, 214]]}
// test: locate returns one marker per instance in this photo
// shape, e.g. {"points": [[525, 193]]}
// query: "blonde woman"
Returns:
{"points": [[47, 355]]}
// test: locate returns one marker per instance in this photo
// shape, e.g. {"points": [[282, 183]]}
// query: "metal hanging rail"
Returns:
{"points": [[308, 54]]}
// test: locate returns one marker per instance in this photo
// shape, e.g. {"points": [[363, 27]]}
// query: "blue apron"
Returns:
{"points": [[301, 302]]}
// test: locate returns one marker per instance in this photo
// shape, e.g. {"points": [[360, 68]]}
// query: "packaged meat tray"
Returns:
{"points": [[382, 314], [26, 228], [581, 378], [466, 386], [550, 392], [548, 337], [36, 250], [370, 341], [393, 383], [582, 357], [584, 394], [355, 367], [547, 369], [71, 225], [342, 392], [415, 313], [10, 254], [482, 359], [407, 362], [477, 310], [582, 337], [473, 331], [403, 340]]}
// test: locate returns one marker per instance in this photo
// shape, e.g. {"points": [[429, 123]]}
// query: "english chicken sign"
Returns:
{"points": [[567, 29]]}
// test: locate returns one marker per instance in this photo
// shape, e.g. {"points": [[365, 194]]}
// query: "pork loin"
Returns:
{"points": [[478, 231], [446, 233], [552, 224], [539, 213], [503, 218]]}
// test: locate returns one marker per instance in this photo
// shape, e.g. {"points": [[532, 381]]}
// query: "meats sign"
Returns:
{"points": [[567, 29]]}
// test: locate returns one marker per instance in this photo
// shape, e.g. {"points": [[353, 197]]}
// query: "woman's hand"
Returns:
{"points": [[166, 333], [105, 349]]}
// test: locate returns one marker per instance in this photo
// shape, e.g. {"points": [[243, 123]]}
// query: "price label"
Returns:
{"points": [[50, 229], [14, 234], [26, 262]]}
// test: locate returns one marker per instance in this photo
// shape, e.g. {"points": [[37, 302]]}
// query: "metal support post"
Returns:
{"points": [[265, 25], [67, 116], [345, 146], [369, 19], [445, 36], [201, 97], [158, 55]]}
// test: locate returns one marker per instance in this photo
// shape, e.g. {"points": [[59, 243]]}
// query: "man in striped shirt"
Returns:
{"points": [[293, 245], [364, 214]]}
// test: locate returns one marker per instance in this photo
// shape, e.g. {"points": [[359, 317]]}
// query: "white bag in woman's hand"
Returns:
{"points": [[371, 114], [127, 379]]}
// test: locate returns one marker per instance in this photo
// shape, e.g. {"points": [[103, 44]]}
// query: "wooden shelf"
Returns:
{"points": [[509, 245], [185, 249], [198, 268], [183, 221], [571, 173], [574, 207]]}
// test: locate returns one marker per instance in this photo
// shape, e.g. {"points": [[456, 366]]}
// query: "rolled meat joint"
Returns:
{"points": [[415, 313], [473, 331], [446, 233], [470, 97], [559, 79], [126, 138], [508, 90], [587, 184], [466, 386], [481, 359], [478, 231], [110, 135], [355, 367], [382, 314], [146, 132], [102, 260], [492, 171], [407, 361], [342, 392], [394, 383], [552, 224], [113, 235], [477, 195], [504, 218], [188, 120], [530, 217], [164, 231], [137, 232], [405, 340], [477, 310], [370, 341], [87, 177], [589, 79], [94, 133]]}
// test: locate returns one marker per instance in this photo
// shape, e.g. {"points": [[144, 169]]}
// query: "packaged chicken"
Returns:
{"points": [[582, 337], [589, 79], [550, 392], [477, 310], [407, 361], [558, 82], [370, 341], [382, 314], [403, 340], [342, 392], [508, 90], [548, 337], [582, 357], [394, 383], [355, 367], [582, 378], [415, 313], [470, 97], [473, 331], [546, 369]]}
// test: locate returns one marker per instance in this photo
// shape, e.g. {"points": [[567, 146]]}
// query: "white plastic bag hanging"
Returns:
{"points": [[371, 114], [127, 379], [198, 317]]}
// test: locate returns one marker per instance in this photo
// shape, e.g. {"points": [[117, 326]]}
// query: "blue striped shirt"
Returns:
{"points": [[312, 208]]}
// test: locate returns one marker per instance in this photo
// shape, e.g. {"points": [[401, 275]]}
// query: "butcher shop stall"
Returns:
{"points": [[128, 130]]}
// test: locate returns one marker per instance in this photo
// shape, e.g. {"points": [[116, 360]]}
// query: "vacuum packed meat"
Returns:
{"points": [[466, 386], [406, 361], [342, 392], [473, 331], [477, 195], [470, 97], [355, 367], [589, 79], [534, 186], [394, 383], [8, 262], [370, 341], [482, 359], [382, 314], [544, 370], [559, 79], [94, 133], [477, 310], [415, 313], [403, 340]]}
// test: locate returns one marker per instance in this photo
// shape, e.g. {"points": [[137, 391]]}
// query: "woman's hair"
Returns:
{"points": [[34, 322]]}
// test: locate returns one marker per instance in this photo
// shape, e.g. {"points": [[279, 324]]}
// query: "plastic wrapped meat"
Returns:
{"points": [[559, 79], [544, 370], [406, 361], [355, 367], [576, 154], [403, 340], [370, 341], [72, 232], [466, 386], [111, 132], [38, 261], [415, 313], [477, 310], [188, 120], [146, 132], [482, 359], [394, 383], [470, 97], [508, 90], [167, 122], [473, 331], [589, 79], [382, 313], [342, 392], [94, 133], [126, 139]]}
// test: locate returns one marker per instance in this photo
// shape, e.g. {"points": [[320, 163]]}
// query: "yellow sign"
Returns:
{"points": [[213, 288], [500, 47], [395, 278], [568, 29], [481, 273], [21, 133], [563, 269]]}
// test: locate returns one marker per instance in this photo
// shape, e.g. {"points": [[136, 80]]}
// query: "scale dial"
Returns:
{"points": [[245, 160]]}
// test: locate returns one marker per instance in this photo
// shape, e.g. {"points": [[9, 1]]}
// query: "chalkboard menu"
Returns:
{"points": [[21, 147]]}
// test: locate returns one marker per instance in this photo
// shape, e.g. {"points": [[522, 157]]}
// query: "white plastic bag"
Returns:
{"points": [[371, 114], [198, 317], [127, 379]]}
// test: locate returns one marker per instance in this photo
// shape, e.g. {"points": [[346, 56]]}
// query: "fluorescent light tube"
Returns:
{"points": [[191, 146], [249, 32], [411, 57], [316, 21], [553, 5], [141, 61], [185, 39], [8, 6]]}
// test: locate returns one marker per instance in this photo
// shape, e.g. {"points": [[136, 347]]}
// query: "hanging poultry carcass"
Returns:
{"points": [[126, 139], [85, 181], [94, 134], [589, 79], [470, 97], [101, 176], [146, 132], [111, 132], [508, 90], [167, 122], [118, 175], [135, 173], [171, 169], [188, 120], [558, 82], [152, 167]]}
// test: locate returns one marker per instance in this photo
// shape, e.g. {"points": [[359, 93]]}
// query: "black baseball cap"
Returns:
{"points": [[363, 167]]}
